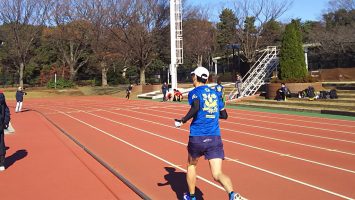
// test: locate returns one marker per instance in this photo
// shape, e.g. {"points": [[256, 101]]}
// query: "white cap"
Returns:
{"points": [[201, 72]]}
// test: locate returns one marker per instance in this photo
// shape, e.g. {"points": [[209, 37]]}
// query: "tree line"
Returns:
{"points": [[121, 41]]}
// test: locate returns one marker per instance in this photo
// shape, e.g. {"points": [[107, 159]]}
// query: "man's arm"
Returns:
{"points": [[223, 114], [192, 112], [7, 116]]}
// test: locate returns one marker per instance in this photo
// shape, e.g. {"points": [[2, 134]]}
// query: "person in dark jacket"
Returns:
{"points": [[4, 124], [19, 99], [164, 90], [282, 93]]}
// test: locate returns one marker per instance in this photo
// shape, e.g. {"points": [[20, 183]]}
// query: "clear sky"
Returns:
{"points": [[304, 9]]}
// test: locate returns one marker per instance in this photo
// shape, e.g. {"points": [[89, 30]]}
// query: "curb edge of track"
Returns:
{"points": [[98, 159]]}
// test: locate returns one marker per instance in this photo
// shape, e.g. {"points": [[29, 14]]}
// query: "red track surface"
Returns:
{"points": [[269, 156]]}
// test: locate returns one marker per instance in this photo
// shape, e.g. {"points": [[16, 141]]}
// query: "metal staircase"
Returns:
{"points": [[259, 73]]}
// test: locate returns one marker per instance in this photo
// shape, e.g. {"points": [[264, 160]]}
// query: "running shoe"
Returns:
{"points": [[2, 163], [236, 196], [187, 197]]}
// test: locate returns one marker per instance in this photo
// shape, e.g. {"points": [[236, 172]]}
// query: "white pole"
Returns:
{"points": [[169, 75], [173, 45], [55, 81], [215, 67], [306, 57]]}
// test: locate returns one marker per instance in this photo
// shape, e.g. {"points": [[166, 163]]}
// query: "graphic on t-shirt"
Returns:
{"points": [[210, 105]]}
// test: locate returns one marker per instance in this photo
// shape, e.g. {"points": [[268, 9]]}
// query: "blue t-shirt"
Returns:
{"points": [[219, 91], [205, 123]]}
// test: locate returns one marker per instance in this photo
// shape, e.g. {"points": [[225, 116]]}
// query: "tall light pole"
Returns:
{"points": [[176, 43]]}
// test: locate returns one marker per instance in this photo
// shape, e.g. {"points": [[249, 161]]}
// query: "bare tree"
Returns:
{"points": [[25, 19], [335, 33], [69, 35], [335, 5], [199, 37], [96, 12], [136, 24], [252, 16]]}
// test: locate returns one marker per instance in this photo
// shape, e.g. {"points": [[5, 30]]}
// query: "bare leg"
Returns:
{"points": [[216, 169], [191, 174]]}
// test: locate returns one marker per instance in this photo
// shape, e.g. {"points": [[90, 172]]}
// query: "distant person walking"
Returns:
{"points": [[129, 91], [238, 85], [19, 99], [164, 90], [4, 124]]}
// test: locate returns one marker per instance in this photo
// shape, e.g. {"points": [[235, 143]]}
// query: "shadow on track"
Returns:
{"points": [[177, 182], [18, 155]]}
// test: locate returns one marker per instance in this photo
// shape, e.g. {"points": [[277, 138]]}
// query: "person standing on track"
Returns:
{"points": [[129, 91], [19, 99], [205, 137], [4, 124], [164, 90]]}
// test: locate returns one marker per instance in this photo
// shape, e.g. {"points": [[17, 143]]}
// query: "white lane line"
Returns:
{"points": [[271, 138], [292, 132], [144, 151], [248, 133], [307, 127], [230, 141], [263, 115], [294, 180], [242, 163], [245, 112], [299, 120], [273, 129]]}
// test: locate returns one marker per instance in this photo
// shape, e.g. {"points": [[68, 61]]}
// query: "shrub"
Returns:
{"points": [[61, 83], [292, 61]]}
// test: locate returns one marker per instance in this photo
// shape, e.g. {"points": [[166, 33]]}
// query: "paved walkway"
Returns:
{"points": [[42, 163]]}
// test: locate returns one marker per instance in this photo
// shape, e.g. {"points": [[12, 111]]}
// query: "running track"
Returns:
{"points": [[268, 155]]}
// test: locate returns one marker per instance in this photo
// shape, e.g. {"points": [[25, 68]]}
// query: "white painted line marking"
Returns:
{"points": [[279, 130], [242, 163], [144, 151]]}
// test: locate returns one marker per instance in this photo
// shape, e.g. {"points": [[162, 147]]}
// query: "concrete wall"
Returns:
{"points": [[150, 88]]}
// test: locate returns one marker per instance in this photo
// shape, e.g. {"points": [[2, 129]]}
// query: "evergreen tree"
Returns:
{"points": [[292, 61], [226, 28]]}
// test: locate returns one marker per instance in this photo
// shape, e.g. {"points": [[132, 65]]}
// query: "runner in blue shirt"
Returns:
{"points": [[220, 90], [205, 136]]}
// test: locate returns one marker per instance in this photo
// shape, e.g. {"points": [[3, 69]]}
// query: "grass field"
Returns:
{"points": [[33, 93]]}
